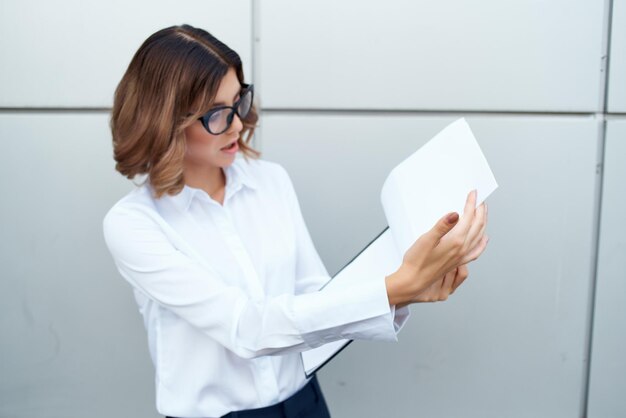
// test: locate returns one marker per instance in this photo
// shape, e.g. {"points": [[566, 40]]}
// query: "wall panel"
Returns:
{"points": [[72, 53], [617, 59], [511, 342], [608, 362], [450, 55], [73, 343]]}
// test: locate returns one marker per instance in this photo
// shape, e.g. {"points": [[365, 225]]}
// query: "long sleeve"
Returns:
{"points": [[311, 274], [145, 256]]}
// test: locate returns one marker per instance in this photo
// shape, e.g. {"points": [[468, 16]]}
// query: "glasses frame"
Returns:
{"points": [[245, 88]]}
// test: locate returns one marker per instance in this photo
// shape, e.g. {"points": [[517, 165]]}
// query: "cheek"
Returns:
{"points": [[197, 139]]}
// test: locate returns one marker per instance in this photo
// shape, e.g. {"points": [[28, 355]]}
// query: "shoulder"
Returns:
{"points": [[134, 207], [260, 169], [264, 173]]}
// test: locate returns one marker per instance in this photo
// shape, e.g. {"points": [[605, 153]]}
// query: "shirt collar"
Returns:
{"points": [[237, 176]]}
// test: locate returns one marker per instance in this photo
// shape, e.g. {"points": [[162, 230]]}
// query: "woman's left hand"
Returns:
{"points": [[442, 288]]}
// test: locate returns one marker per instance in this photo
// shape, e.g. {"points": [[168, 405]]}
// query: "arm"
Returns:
{"points": [[311, 274], [146, 258]]}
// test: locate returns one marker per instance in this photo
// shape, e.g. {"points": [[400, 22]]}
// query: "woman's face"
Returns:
{"points": [[205, 150]]}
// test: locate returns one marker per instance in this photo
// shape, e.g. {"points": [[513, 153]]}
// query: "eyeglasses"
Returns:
{"points": [[217, 120]]}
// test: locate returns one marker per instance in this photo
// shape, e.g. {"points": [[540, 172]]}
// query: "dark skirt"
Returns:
{"points": [[308, 402]]}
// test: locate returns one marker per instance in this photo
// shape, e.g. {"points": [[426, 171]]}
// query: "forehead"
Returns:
{"points": [[228, 89]]}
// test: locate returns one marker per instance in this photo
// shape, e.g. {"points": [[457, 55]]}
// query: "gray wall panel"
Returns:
{"points": [[452, 55], [73, 344], [617, 71], [72, 53], [511, 342], [608, 361]]}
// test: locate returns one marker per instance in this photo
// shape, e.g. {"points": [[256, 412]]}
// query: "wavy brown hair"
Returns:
{"points": [[170, 82]]}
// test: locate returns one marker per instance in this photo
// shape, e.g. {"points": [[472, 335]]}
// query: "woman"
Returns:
{"points": [[221, 263]]}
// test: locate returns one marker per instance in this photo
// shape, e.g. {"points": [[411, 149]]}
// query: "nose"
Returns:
{"points": [[237, 124]]}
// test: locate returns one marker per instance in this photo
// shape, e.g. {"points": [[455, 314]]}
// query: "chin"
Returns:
{"points": [[227, 161]]}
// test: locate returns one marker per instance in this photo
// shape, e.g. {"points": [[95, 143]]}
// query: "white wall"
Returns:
{"points": [[72, 339], [608, 371], [511, 342], [72, 53], [73, 343], [347, 89], [427, 55], [617, 67], [350, 88]]}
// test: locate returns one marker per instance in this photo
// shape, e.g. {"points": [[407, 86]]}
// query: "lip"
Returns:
{"points": [[232, 150]]}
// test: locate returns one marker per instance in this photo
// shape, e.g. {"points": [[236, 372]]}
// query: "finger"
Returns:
{"points": [[468, 213], [477, 228], [470, 202], [461, 274], [484, 228], [446, 285], [448, 281], [442, 227], [476, 252]]}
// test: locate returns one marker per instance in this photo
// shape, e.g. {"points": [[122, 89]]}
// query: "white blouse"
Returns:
{"points": [[229, 293]]}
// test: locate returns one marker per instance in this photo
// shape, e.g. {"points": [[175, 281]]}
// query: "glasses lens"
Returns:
{"points": [[218, 122], [245, 104]]}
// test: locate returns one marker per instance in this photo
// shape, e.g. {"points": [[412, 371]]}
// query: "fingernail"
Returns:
{"points": [[452, 218]]}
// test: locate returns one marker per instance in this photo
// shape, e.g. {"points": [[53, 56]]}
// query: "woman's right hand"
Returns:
{"points": [[452, 242]]}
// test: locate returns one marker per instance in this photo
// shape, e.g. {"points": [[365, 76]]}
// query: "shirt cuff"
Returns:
{"points": [[346, 312], [400, 316]]}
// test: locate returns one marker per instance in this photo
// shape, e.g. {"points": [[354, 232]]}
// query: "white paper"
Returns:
{"points": [[432, 182]]}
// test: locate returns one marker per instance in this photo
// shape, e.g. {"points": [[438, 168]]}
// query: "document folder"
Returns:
{"points": [[433, 181]]}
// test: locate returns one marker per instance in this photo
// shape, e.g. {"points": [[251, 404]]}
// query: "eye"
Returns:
{"points": [[216, 116]]}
